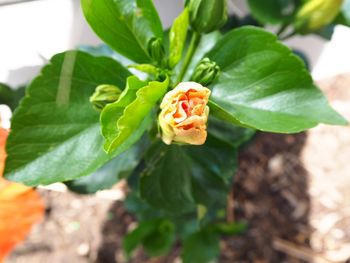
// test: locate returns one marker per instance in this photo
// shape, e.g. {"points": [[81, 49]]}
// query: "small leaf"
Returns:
{"points": [[231, 134], [177, 35], [126, 25], [56, 120], [264, 86], [160, 241], [201, 247], [273, 11], [157, 237], [126, 119]]}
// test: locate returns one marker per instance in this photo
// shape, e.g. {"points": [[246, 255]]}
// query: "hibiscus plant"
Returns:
{"points": [[168, 111]]}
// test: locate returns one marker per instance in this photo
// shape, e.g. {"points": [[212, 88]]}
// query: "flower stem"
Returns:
{"points": [[282, 30], [196, 37], [292, 34]]}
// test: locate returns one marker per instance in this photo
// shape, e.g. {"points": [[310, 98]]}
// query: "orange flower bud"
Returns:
{"points": [[184, 114]]}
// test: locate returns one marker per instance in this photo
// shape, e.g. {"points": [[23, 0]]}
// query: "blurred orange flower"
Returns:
{"points": [[20, 207]]}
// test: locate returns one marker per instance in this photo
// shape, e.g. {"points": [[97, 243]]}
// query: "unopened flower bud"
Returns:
{"points": [[156, 50], [103, 95], [207, 15], [184, 114], [315, 14], [206, 72]]}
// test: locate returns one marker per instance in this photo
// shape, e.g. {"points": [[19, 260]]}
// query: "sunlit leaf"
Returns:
{"points": [[126, 25], [264, 86], [177, 35], [55, 123], [124, 121]]}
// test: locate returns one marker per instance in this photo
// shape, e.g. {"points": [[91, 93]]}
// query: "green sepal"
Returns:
{"points": [[125, 120]]}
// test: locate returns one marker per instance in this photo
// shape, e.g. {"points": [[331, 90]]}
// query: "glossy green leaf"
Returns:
{"points": [[264, 86], [201, 247], [108, 175], [55, 133], [125, 120], [177, 178], [273, 11], [177, 35], [126, 25], [156, 236]]}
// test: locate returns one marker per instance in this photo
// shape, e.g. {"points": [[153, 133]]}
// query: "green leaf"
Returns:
{"points": [[108, 175], [55, 133], [212, 168], [166, 181], [228, 133], [273, 11], [264, 86], [124, 121], [9, 96], [177, 178], [139, 208], [126, 25], [177, 35], [157, 237], [201, 247]]}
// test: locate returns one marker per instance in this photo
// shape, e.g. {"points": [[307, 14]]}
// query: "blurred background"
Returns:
{"points": [[33, 30], [294, 189]]}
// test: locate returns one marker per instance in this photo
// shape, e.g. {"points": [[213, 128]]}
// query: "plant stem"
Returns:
{"points": [[292, 34], [281, 30], [196, 37], [230, 216]]}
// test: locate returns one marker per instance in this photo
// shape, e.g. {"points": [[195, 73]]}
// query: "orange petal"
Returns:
{"points": [[17, 215], [20, 208]]}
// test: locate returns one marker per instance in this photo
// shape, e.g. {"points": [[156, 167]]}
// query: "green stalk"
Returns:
{"points": [[291, 34], [196, 37], [282, 30]]}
